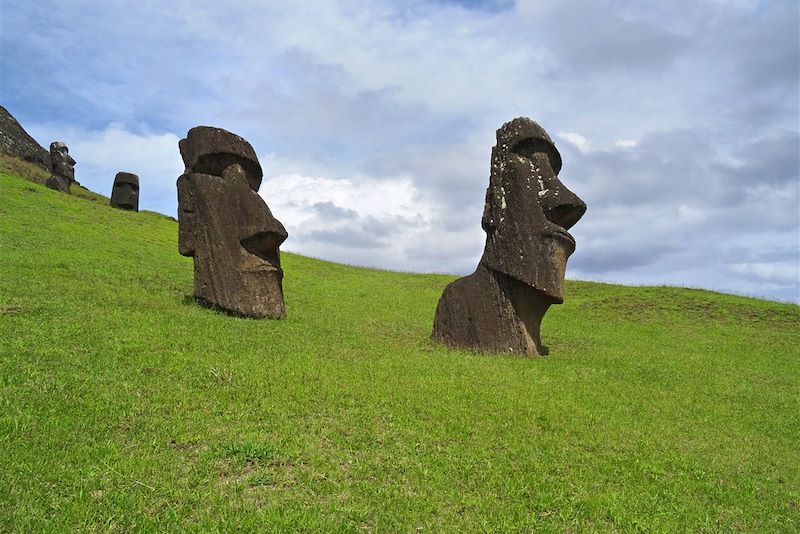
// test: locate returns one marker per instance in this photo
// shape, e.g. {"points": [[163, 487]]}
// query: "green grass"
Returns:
{"points": [[23, 169], [124, 406]]}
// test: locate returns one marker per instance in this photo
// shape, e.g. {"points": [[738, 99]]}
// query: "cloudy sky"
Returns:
{"points": [[678, 121]]}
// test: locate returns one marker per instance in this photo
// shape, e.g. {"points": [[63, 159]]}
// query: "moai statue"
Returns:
{"points": [[227, 227], [125, 194], [62, 168], [499, 307]]}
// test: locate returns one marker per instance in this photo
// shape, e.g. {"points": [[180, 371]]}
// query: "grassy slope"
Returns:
{"points": [[125, 406], [34, 173]]}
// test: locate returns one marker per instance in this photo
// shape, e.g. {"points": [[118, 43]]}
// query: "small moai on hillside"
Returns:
{"points": [[125, 194], [526, 217], [227, 227], [62, 168]]}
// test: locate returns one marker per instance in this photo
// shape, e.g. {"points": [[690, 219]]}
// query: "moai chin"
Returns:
{"points": [[227, 227], [62, 168], [125, 194], [526, 217]]}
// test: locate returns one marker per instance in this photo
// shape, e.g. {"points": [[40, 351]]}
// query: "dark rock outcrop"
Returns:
{"points": [[15, 141], [63, 168], [125, 194], [227, 227], [499, 308]]}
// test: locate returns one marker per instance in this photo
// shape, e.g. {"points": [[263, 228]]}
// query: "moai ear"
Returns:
{"points": [[494, 197], [187, 225], [488, 222]]}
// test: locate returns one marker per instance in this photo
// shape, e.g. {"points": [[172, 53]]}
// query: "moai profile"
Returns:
{"points": [[62, 168], [499, 308], [227, 227], [125, 194]]}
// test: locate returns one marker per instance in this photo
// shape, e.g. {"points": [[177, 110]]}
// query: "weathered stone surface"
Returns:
{"points": [[59, 183], [211, 150], [62, 168], [15, 141], [125, 194], [61, 162], [227, 227], [499, 308]]}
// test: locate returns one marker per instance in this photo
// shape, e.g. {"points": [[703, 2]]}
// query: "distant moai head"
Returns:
{"points": [[62, 168], [61, 162], [227, 227], [125, 194], [528, 210]]}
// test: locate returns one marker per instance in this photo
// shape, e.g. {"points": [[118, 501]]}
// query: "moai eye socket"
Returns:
{"points": [[527, 148]]}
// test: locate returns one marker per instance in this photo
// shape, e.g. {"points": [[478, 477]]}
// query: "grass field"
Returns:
{"points": [[124, 406]]}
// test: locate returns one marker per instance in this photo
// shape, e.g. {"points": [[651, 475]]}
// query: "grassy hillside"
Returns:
{"points": [[13, 166], [124, 406]]}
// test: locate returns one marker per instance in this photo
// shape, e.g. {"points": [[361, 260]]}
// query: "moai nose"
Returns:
{"points": [[566, 209], [560, 205]]}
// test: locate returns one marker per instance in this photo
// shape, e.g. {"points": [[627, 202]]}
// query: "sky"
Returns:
{"points": [[678, 122]]}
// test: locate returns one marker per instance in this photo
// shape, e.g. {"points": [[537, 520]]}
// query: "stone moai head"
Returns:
{"points": [[125, 194], [227, 227], [62, 166], [528, 211], [499, 307], [62, 163]]}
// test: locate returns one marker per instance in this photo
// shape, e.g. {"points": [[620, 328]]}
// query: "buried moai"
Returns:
{"points": [[125, 194], [227, 227], [499, 308], [62, 168]]}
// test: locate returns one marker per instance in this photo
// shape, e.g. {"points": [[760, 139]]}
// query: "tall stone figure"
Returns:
{"points": [[227, 227], [499, 307], [62, 168], [125, 194]]}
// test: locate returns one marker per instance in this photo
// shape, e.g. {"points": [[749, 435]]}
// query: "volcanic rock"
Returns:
{"points": [[15, 141]]}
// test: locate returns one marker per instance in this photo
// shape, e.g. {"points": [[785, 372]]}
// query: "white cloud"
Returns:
{"points": [[454, 57], [625, 143], [101, 154], [575, 139], [378, 118], [364, 221], [290, 195], [782, 273], [691, 215]]}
